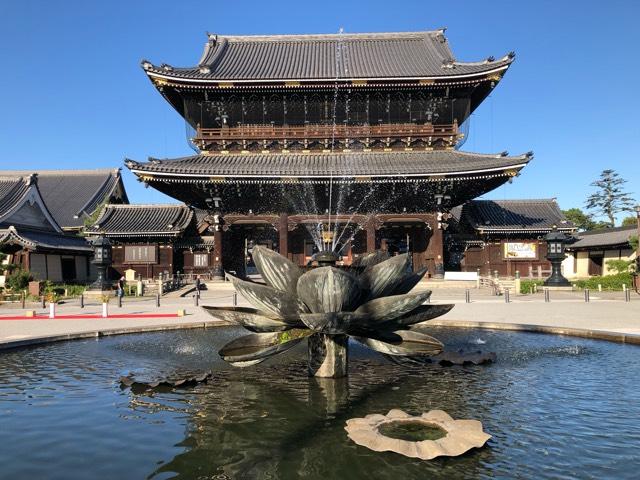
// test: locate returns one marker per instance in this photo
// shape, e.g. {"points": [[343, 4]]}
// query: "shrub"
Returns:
{"points": [[608, 282], [18, 280], [527, 285]]}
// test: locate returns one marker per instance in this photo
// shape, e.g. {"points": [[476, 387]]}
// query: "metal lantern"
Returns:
{"points": [[102, 260], [555, 254]]}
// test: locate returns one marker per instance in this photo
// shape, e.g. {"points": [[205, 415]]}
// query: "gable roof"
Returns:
{"points": [[364, 56], [143, 220], [606, 237], [12, 191], [71, 195], [495, 216], [15, 192]]}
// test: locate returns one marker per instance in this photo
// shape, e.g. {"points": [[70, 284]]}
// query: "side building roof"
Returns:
{"points": [[346, 56], [607, 237], [525, 216], [72, 195], [143, 220]]}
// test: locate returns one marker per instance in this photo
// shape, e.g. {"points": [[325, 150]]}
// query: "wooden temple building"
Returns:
{"points": [[156, 240], [32, 239], [503, 236], [346, 141]]}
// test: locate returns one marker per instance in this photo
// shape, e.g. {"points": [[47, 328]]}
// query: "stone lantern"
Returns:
{"points": [[555, 254], [102, 260]]}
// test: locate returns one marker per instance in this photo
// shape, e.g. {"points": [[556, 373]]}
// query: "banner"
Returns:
{"points": [[520, 251]]}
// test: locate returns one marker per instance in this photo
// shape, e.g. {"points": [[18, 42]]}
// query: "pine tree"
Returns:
{"points": [[609, 199]]}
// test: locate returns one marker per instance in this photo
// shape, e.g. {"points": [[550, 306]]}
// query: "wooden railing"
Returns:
{"points": [[316, 131]]}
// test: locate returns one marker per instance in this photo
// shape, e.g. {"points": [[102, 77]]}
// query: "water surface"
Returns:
{"points": [[556, 407]]}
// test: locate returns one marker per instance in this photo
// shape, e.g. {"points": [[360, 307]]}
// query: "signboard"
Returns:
{"points": [[520, 251]]}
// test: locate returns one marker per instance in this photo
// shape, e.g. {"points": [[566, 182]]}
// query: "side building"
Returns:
{"points": [[593, 249], [155, 240], [31, 238], [504, 236]]}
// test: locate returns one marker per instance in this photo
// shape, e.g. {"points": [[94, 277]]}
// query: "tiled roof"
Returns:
{"points": [[513, 215], [12, 190], [328, 57], [72, 194], [433, 162], [607, 237], [143, 220], [44, 240]]}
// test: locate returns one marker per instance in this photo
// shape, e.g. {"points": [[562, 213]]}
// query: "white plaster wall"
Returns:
{"points": [[567, 266]]}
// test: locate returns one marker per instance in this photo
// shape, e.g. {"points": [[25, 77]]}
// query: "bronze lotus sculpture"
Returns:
{"points": [[327, 305]]}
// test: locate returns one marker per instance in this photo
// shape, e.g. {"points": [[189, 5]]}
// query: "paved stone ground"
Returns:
{"points": [[607, 311]]}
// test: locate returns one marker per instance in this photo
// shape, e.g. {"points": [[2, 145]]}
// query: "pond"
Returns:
{"points": [[557, 407]]}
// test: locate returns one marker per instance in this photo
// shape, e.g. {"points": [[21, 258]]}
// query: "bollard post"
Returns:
{"points": [[23, 299], [627, 295], [599, 287], [157, 299], [82, 300], [507, 296], [547, 298], [467, 296], [586, 295], [52, 310], [235, 299], [44, 305], [196, 297]]}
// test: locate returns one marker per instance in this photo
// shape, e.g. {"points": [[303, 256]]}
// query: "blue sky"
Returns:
{"points": [[74, 96]]}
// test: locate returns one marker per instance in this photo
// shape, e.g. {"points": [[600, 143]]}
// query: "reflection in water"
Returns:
{"points": [[65, 416]]}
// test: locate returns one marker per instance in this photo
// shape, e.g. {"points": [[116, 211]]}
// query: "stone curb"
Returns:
{"points": [[104, 333], [617, 337]]}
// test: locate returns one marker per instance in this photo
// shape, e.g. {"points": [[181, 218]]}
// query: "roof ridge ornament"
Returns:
{"points": [[146, 64]]}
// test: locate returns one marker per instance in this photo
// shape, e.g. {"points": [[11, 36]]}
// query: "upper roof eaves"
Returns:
{"points": [[362, 56]]}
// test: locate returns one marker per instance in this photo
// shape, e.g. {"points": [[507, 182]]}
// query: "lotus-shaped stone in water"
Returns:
{"points": [[327, 305]]}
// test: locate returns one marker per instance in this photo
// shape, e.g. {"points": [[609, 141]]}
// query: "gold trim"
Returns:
{"points": [[225, 85]]}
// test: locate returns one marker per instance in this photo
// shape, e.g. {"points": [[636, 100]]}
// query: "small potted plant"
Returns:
{"points": [[52, 298], [105, 305]]}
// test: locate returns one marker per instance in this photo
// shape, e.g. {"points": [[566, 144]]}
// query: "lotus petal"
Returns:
{"points": [[252, 319], [257, 347], [403, 342], [268, 299], [277, 271], [416, 316], [383, 309], [382, 279], [333, 323], [370, 259], [409, 281], [328, 289]]}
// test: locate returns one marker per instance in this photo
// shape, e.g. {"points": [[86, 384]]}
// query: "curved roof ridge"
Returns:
{"points": [[327, 36]]}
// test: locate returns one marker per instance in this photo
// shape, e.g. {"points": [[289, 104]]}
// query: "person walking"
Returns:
{"points": [[120, 291]]}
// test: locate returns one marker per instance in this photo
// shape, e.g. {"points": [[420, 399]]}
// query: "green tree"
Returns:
{"points": [[583, 221], [633, 241], [629, 221], [609, 198]]}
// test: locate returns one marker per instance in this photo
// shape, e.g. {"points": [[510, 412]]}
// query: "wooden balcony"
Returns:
{"points": [[323, 136]]}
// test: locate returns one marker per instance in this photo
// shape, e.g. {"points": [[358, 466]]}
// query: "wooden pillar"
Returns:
{"points": [[283, 232], [218, 272], [371, 237], [435, 251]]}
